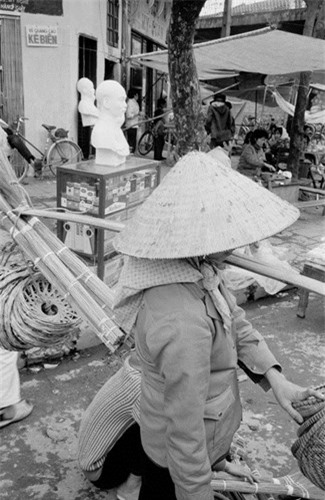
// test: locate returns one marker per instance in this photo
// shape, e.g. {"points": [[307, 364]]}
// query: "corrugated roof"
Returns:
{"points": [[267, 51]]}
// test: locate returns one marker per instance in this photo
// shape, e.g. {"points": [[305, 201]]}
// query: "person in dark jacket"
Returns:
{"points": [[219, 121], [159, 134]]}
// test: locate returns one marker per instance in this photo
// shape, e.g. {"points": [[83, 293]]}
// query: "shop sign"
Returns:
{"points": [[151, 18], [42, 36], [13, 5], [48, 7]]}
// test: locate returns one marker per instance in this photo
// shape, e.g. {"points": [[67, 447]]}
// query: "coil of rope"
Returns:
{"points": [[32, 311]]}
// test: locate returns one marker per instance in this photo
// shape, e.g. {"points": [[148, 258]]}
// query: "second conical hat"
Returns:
{"points": [[203, 207]]}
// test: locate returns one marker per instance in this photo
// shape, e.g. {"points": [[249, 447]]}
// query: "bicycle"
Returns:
{"points": [[58, 149], [146, 141]]}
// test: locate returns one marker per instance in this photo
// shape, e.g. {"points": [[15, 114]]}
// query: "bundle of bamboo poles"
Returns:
{"points": [[86, 293], [293, 485]]}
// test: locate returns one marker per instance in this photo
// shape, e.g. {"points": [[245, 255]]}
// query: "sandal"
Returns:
{"points": [[20, 411]]}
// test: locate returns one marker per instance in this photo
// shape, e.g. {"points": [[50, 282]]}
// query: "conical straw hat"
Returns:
{"points": [[203, 207]]}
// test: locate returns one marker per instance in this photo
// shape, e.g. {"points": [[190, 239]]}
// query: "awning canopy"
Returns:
{"points": [[266, 51]]}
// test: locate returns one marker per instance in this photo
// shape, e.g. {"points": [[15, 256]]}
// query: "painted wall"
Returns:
{"points": [[50, 73]]}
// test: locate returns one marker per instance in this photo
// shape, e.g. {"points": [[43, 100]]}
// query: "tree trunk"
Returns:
{"points": [[226, 19], [296, 132], [185, 90]]}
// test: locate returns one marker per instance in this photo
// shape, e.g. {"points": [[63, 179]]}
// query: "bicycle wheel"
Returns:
{"points": [[145, 144], [62, 152], [19, 165]]}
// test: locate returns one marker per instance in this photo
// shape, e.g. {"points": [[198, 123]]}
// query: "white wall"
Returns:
{"points": [[50, 74]]}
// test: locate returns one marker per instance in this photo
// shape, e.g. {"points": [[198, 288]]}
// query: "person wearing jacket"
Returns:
{"points": [[159, 134], [190, 334], [132, 118], [219, 122], [252, 160]]}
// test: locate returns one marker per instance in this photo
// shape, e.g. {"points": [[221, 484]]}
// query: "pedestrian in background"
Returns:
{"points": [[12, 407], [158, 132], [219, 123], [131, 119], [233, 124]]}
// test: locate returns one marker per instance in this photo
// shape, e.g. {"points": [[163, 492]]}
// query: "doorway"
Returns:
{"points": [[88, 69]]}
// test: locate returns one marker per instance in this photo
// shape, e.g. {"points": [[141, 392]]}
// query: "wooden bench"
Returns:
{"points": [[310, 203], [318, 202], [315, 271], [291, 192]]}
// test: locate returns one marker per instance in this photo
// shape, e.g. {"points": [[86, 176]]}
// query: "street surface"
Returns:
{"points": [[38, 455]]}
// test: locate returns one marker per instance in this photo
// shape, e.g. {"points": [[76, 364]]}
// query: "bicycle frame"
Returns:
{"points": [[57, 150], [17, 132]]}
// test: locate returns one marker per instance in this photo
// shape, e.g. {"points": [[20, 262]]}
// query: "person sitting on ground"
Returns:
{"points": [[219, 120], [12, 407], [309, 130], [109, 445], [277, 138], [278, 143], [190, 334], [252, 160]]}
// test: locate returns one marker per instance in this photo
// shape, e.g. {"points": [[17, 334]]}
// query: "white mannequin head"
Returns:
{"points": [[86, 106], [107, 137], [86, 88], [111, 100]]}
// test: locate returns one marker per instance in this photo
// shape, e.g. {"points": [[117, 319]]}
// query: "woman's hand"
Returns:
{"points": [[270, 167], [237, 470], [287, 393]]}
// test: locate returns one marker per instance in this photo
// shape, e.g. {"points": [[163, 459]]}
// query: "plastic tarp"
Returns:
{"points": [[310, 117], [266, 51], [238, 279]]}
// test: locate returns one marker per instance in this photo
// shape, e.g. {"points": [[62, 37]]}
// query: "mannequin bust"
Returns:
{"points": [[107, 137], [86, 106]]}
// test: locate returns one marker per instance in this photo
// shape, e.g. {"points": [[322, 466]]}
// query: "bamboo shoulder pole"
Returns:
{"points": [[89, 220], [284, 275], [279, 274]]}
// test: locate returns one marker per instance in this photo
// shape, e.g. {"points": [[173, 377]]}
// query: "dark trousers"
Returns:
{"points": [[125, 458], [84, 138], [158, 146], [131, 134], [156, 482]]}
